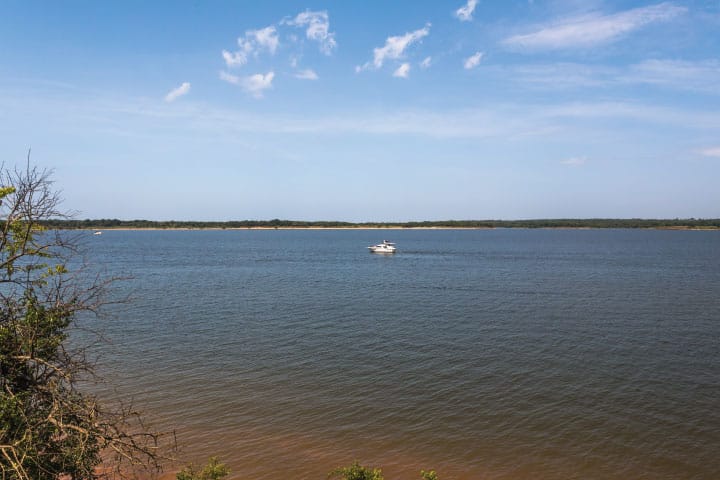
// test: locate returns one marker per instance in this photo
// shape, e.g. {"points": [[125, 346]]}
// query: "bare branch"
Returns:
{"points": [[50, 427]]}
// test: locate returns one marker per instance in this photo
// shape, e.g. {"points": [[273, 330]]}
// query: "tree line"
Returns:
{"points": [[677, 223]]}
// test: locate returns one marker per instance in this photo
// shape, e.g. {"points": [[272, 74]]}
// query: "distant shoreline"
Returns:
{"points": [[276, 224], [188, 229]]}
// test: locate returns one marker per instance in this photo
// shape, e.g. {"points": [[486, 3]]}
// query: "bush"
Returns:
{"points": [[213, 470], [50, 428], [356, 472]]}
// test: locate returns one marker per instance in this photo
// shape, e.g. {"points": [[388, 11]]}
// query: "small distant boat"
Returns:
{"points": [[384, 247], [97, 233]]}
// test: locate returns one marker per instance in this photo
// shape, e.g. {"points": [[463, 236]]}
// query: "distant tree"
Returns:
{"points": [[49, 427]]}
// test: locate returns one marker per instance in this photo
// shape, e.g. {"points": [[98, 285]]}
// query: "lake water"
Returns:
{"points": [[482, 354]]}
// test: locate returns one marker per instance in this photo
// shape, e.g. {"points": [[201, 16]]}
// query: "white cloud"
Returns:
{"points": [[318, 29], [307, 74], [465, 13], [255, 85], [178, 92], [710, 152], [395, 47], [574, 161], [402, 71], [473, 61], [264, 38], [234, 59], [593, 29], [251, 44], [426, 62]]}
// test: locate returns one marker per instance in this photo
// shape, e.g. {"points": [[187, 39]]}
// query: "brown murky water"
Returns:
{"points": [[494, 354]]}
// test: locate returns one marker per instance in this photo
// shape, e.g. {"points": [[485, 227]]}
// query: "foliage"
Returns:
{"points": [[49, 428], [428, 475], [356, 472], [213, 470]]}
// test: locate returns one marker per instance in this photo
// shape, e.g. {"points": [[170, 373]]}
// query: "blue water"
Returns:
{"points": [[483, 354]]}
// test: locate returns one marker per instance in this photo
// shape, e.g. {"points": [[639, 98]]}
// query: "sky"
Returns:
{"points": [[366, 110]]}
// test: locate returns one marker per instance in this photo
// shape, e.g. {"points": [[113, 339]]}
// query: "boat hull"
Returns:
{"points": [[381, 249]]}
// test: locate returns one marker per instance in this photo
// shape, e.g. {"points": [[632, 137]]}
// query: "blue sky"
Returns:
{"points": [[367, 110]]}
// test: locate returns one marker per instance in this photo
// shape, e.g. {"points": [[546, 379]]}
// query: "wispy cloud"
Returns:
{"points": [[574, 161], [465, 13], [473, 60], [426, 63], [307, 74], [648, 114], [699, 76], [318, 29], [560, 75], [254, 85], [252, 43], [178, 92], [395, 47], [230, 78], [710, 152], [125, 116], [593, 29], [402, 71]]}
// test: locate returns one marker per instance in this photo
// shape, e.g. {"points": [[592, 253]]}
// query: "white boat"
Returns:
{"points": [[97, 233], [384, 247]]}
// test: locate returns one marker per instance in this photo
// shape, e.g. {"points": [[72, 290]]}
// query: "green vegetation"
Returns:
{"points": [[356, 472], [213, 470], [431, 475], [688, 223], [49, 428]]}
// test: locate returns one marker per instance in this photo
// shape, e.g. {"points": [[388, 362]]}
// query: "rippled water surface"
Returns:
{"points": [[483, 354]]}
